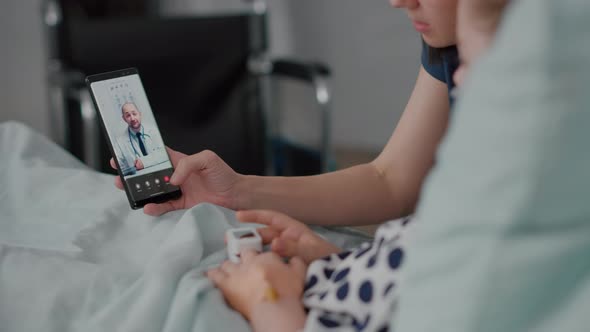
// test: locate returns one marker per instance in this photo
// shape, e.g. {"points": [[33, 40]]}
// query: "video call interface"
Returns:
{"points": [[134, 136]]}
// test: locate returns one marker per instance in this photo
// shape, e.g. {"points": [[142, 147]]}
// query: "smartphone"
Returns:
{"points": [[133, 137]]}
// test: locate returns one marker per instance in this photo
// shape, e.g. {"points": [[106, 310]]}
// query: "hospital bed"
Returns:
{"points": [[74, 257]]}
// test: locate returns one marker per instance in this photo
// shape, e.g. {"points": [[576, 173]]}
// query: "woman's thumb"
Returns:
{"points": [[284, 247]]}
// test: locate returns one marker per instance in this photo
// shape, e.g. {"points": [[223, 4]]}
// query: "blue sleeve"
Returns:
{"points": [[435, 68]]}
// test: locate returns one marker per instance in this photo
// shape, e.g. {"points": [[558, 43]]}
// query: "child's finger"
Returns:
{"points": [[216, 276], [298, 266], [248, 255]]}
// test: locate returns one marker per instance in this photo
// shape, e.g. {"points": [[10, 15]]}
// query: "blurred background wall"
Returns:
{"points": [[371, 47]]}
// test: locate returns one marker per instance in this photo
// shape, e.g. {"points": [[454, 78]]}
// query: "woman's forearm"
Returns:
{"points": [[284, 315], [354, 196]]}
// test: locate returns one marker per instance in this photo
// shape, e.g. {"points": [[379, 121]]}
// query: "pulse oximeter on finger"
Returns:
{"points": [[239, 239]]}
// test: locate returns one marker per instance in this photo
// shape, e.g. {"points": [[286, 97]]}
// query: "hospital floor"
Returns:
{"points": [[347, 157]]}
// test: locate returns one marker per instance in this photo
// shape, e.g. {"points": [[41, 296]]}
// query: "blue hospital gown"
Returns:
{"points": [[356, 290]]}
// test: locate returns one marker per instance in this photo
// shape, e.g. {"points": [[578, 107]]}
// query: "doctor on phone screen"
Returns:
{"points": [[140, 145]]}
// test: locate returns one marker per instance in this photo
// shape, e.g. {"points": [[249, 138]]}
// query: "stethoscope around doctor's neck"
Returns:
{"points": [[131, 140]]}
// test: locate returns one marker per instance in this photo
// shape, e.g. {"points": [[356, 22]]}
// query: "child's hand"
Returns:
{"points": [[287, 236], [257, 279]]}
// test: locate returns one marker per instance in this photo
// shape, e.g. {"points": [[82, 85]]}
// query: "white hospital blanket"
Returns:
{"points": [[75, 257]]}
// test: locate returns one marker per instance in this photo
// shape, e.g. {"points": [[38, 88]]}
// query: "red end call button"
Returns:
{"points": [[166, 178]]}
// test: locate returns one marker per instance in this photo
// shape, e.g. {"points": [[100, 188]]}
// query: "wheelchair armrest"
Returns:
{"points": [[67, 85], [316, 74], [305, 71]]}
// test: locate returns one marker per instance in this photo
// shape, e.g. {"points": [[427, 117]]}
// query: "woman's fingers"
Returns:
{"points": [[156, 210], [280, 226], [284, 247], [192, 164], [174, 155], [118, 182], [267, 234], [277, 220]]}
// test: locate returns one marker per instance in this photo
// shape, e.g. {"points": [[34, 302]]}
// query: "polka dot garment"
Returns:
{"points": [[356, 290]]}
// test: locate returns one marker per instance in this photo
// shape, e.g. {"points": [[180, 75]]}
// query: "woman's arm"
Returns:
{"points": [[370, 193]]}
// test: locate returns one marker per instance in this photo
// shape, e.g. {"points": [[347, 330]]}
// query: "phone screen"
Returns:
{"points": [[134, 138]]}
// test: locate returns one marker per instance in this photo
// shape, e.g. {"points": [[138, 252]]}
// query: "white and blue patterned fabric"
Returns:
{"points": [[356, 290]]}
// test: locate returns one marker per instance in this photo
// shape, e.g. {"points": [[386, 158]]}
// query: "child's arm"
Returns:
{"points": [[264, 289], [284, 315]]}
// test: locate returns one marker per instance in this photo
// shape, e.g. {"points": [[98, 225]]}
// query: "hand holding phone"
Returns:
{"points": [[133, 137], [202, 177]]}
